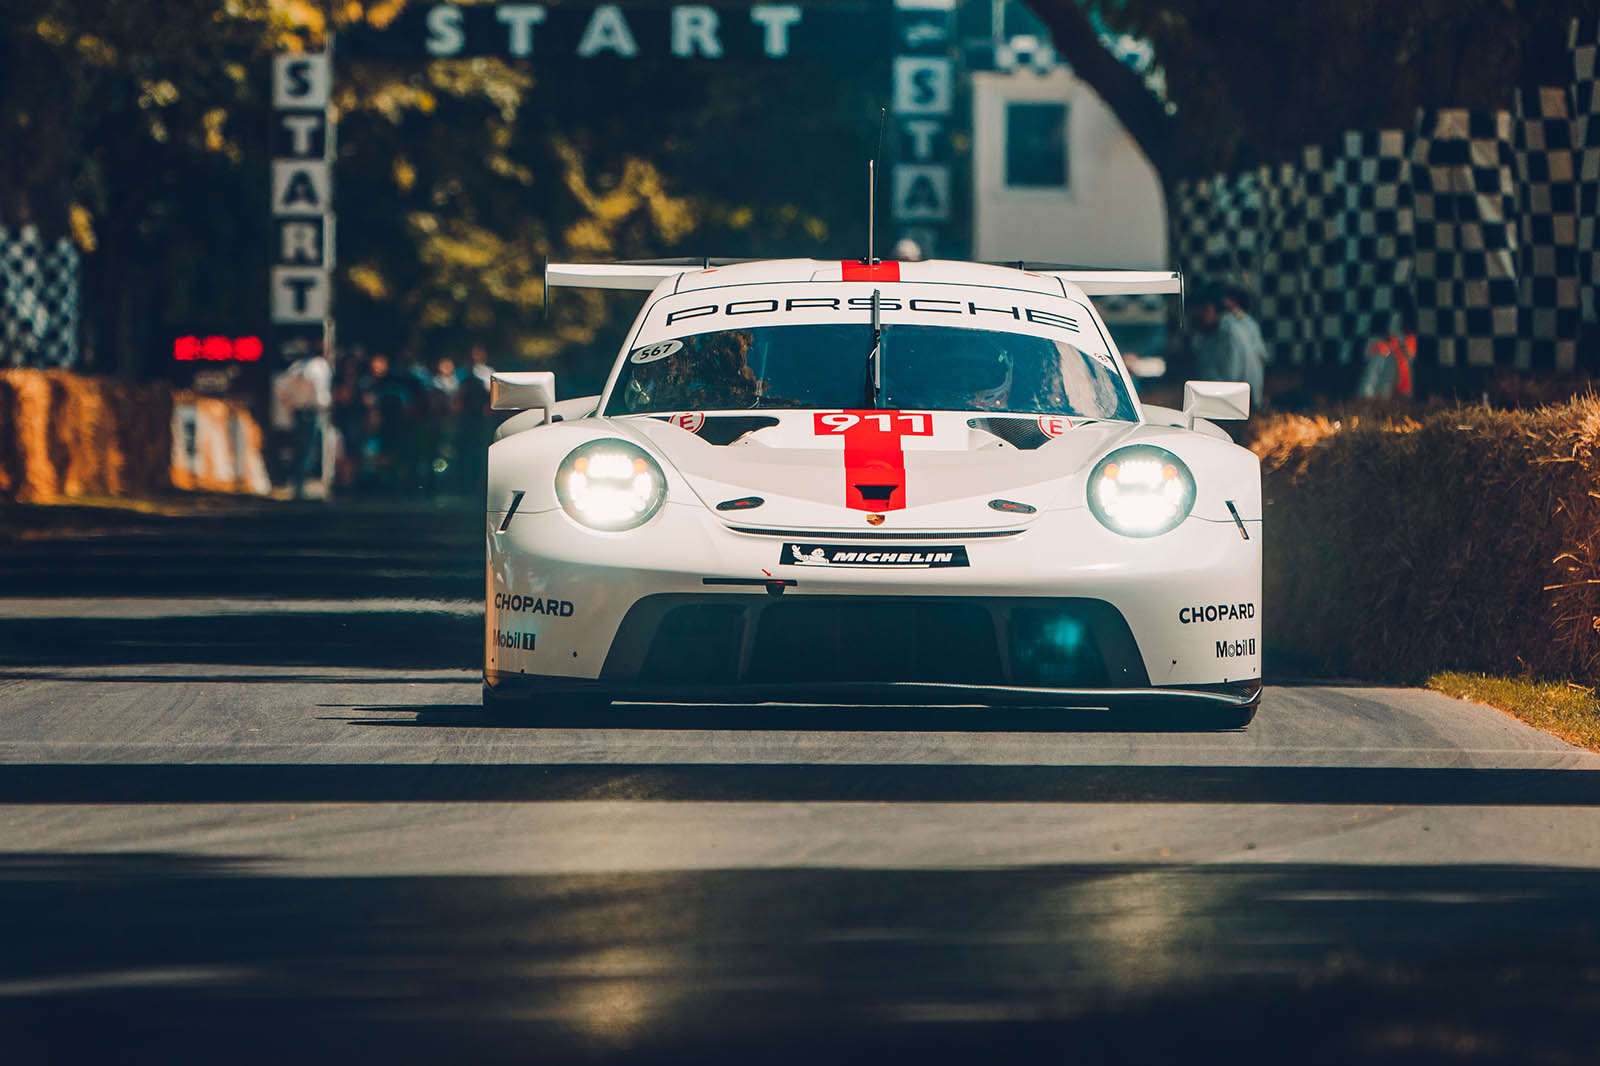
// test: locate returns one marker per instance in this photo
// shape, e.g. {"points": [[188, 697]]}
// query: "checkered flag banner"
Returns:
{"points": [[1280, 280], [1479, 229], [1359, 233], [1584, 100], [1464, 174], [1323, 247], [38, 300], [1243, 230], [1550, 288]]}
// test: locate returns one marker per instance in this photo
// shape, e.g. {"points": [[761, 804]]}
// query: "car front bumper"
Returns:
{"points": [[1062, 612]]}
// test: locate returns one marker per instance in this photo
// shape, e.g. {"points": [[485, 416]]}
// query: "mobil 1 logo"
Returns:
{"points": [[1236, 649], [505, 638]]}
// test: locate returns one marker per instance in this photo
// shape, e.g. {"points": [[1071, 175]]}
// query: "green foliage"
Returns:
{"points": [[141, 126]]}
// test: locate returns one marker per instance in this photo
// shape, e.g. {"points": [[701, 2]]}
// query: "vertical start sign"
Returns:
{"points": [[302, 190], [924, 99]]}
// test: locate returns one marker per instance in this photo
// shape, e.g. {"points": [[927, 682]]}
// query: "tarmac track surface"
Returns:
{"points": [[251, 811]]}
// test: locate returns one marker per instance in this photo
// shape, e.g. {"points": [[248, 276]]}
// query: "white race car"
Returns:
{"points": [[825, 482]]}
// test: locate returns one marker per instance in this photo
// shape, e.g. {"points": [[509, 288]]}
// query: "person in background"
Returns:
{"points": [[350, 418], [475, 423], [1243, 350], [307, 390], [443, 408], [1205, 335], [1387, 374], [477, 373], [406, 435], [1227, 342]]}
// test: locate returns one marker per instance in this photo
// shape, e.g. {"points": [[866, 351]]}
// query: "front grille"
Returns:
{"points": [[696, 644], [761, 639], [939, 535], [949, 643]]}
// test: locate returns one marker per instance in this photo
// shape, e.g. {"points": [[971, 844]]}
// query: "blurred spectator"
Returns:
{"points": [[475, 423], [907, 250], [1244, 349], [443, 407], [476, 375], [1387, 374], [444, 377], [305, 389], [386, 399], [412, 429], [1228, 345], [350, 419], [1205, 341], [407, 428]]}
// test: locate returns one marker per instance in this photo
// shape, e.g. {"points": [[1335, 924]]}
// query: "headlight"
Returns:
{"points": [[1141, 491], [610, 485]]}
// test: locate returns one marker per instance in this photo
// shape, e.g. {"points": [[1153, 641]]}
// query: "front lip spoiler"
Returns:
{"points": [[1240, 696]]}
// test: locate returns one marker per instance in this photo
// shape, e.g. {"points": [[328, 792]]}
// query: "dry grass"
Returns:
{"points": [[1568, 710]]}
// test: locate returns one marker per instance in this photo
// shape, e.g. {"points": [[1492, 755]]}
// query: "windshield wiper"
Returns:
{"points": [[874, 363]]}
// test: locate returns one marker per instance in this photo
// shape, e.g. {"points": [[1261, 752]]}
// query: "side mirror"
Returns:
{"points": [[1216, 400], [523, 390]]}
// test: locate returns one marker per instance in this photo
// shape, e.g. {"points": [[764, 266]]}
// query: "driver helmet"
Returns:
{"points": [[982, 374]]}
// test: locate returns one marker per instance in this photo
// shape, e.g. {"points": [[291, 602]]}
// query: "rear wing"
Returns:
{"points": [[643, 275], [637, 275], [1122, 282]]}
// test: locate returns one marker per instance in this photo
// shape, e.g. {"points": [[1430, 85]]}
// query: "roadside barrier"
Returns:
{"points": [[1463, 538], [216, 446]]}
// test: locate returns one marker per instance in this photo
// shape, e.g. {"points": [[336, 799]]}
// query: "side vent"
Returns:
{"points": [[516, 501]]}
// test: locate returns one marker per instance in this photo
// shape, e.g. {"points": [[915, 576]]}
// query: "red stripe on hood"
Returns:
{"points": [[854, 270], [874, 457]]}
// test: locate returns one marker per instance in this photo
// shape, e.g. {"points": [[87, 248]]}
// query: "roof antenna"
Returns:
{"points": [[872, 186]]}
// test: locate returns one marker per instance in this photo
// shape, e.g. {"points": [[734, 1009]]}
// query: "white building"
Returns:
{"points": [[1055, 176]]}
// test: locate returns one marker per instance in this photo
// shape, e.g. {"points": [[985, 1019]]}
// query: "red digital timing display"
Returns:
{"points": [[216, 349]]}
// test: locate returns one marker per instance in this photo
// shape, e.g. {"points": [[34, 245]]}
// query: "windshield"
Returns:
{"points": [[936, 368]]}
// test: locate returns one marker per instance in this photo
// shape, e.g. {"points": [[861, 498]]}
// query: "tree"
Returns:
{"points": [[1253, 81], [140, 127]]}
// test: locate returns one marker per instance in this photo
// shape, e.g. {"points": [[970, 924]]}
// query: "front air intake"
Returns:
{"points": [[738, 638]]}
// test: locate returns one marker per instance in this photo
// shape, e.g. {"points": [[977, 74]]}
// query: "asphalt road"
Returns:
{"points": [[250, 810]]}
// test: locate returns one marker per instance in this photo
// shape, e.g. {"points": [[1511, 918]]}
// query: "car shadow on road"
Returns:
{"points": [[169, 958], [796, 717], [179, 676], [808, 781], [403, 639]]}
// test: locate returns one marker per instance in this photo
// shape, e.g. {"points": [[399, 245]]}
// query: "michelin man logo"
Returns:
{"points": [[817, 556]]}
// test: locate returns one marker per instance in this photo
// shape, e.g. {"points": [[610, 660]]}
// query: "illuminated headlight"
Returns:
{"points": [[610, 485], [1141, 491]]}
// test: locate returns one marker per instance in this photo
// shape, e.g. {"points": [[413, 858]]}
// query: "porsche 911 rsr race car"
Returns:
{"points": [[822, 482]]}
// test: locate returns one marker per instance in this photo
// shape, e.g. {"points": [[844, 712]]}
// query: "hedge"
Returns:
{"points": [[1464, 538], [64, 435]]}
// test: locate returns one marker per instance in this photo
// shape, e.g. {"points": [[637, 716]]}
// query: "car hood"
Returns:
{"points": [[918, 470]]}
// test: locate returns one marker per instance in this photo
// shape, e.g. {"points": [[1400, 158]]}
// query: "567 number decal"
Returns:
{"points": [[900, 423]]}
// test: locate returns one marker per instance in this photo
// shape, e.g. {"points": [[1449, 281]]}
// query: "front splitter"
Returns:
{"points": [[1243, 696]]}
